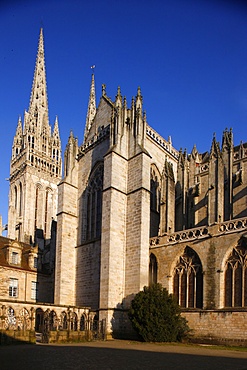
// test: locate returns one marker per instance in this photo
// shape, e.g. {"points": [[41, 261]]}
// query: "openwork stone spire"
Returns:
{"points": [[36, 165], [91, 110], [38, 100]]}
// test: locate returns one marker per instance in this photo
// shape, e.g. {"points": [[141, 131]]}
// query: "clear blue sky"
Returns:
{"points": [[188, 56]]}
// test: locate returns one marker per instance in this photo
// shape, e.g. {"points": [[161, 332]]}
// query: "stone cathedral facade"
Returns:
{"points": [[132, 210]]}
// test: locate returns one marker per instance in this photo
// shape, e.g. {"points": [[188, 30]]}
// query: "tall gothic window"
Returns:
{"points": [[236, 277], [20, 202], [153, 269], [16, 199], [37, 208], [31, 141], [188, 280], [47, 207], [94, 204], [154, 201]]}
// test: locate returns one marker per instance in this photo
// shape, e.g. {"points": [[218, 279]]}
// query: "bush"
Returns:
{"points": [[155, 316]]}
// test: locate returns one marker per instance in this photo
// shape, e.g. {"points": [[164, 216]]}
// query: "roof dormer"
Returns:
{"points": [[14, 254]]}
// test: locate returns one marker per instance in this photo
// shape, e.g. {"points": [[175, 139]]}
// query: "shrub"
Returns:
{"points": [[155, 316]]}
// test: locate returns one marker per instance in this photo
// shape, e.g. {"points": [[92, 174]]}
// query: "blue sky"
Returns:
{"points": [[188, 56]]}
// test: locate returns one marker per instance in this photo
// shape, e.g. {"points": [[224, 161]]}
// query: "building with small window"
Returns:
{"points": [[22, 277]]}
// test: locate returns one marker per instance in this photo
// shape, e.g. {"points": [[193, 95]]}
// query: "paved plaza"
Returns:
{"points": [[119, 355]]}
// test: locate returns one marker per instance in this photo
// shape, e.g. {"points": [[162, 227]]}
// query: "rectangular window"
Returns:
{"points": [[13, 287], [14, 258], [35, 262], [34, 290]]}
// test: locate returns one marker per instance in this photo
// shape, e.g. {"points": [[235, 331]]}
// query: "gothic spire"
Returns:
{"points": [[56, 129], [91, 110], [19, 128], [215, 148], [227, 140], [38, 106], [18, 140]]}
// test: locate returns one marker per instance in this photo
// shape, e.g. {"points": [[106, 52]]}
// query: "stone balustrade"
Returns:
{"points": [[162, 142], [230, 226], [233, 225]]}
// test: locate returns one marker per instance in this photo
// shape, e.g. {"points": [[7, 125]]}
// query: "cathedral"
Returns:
{"points": [[130, 210]]}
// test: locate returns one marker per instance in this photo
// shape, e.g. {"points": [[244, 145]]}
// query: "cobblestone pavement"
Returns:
{"points": [[119, 355]]}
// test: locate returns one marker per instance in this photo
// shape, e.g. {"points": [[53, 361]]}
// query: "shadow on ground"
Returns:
{"points": [[126, 356]]}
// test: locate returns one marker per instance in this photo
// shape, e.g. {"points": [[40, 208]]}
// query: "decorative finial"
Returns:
{"points": [[103, 89], [93, 67], [125, 102]]}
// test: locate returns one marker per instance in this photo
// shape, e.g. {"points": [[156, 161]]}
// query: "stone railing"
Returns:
{"points": [[233, 225], [202, 232], [162, 142], [181, 236]]}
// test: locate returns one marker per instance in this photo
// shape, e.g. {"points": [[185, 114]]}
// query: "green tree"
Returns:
{"points": [[155, 315]]}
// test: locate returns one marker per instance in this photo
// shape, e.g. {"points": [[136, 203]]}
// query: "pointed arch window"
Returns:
{"points": [[155, 195], [20, 200], [47, 206], [37, 208], [236, 277], [94, 204], [188, 280], [153, 269], [82, 323], [16, 199]]}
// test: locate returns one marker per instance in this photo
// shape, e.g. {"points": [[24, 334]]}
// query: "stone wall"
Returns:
{"points": [[227, 327], [88, 274], [17, 336]]}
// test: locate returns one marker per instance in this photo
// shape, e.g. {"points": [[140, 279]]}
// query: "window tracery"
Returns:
{"points": [[236, 277], [94, 204], [188, 280]]}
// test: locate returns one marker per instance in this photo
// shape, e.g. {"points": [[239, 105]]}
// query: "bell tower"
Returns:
{"points": [[35, 166]]}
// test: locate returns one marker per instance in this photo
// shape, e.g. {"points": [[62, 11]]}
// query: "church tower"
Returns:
{"points": [[35, 166]]}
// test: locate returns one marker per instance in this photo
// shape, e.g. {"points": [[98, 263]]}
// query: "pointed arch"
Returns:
{"points": [[73, 321], [153, 269], [48, 208], [83, 323], [155, 195], [20, 199], [52, 320], [39, 319], [64, 320], [15, 197], [235, 275], [188, 280], [93, 204], [38, 205]]}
